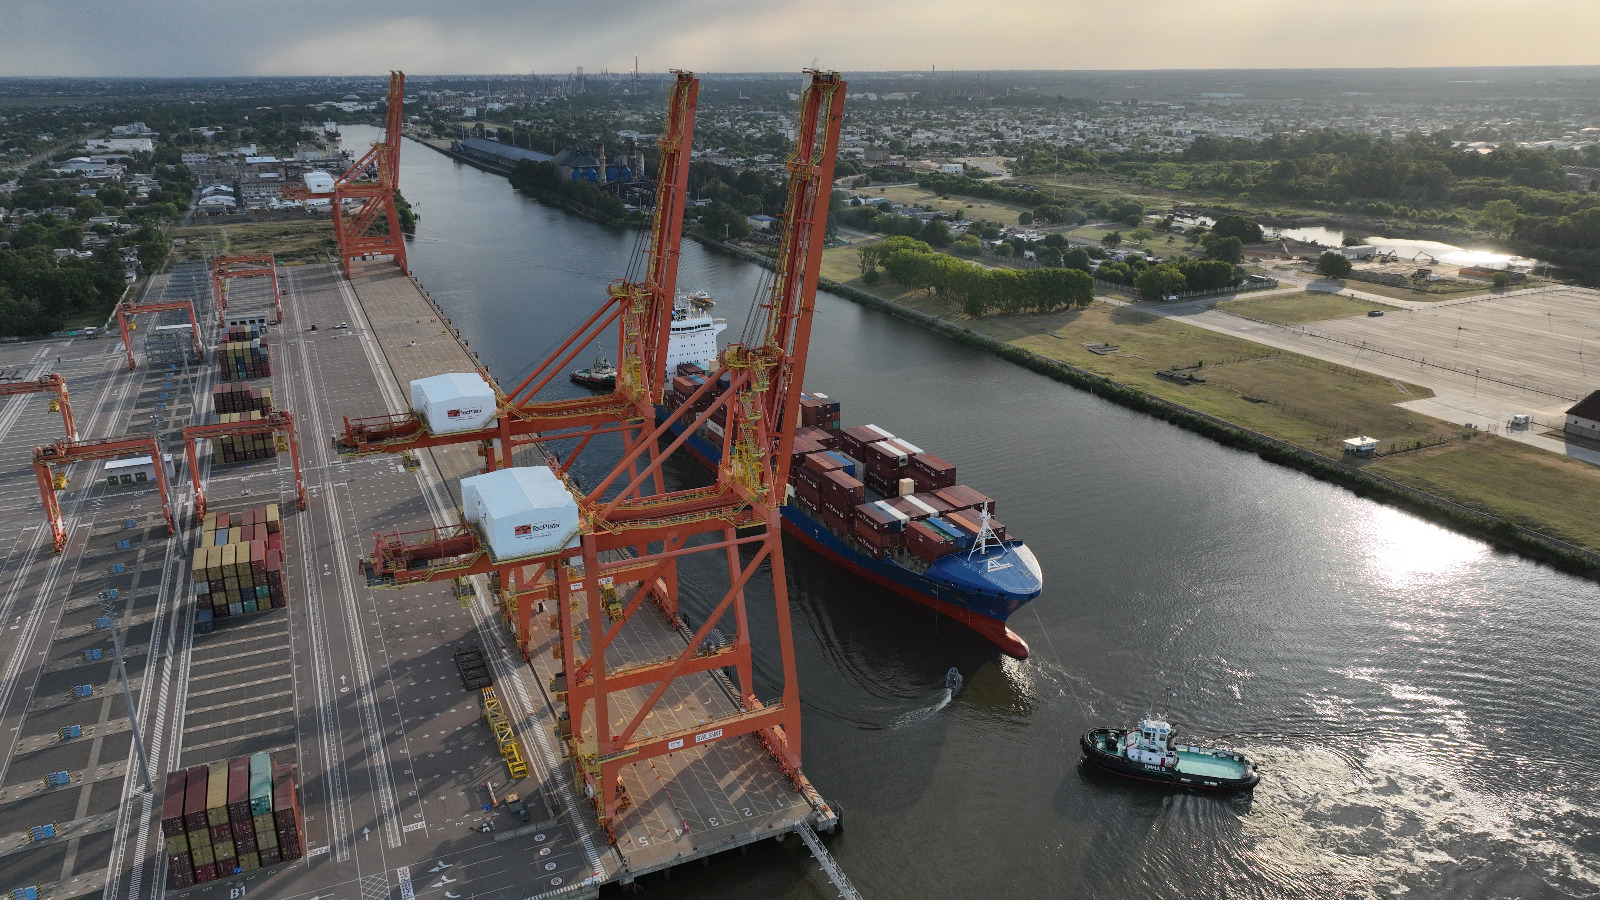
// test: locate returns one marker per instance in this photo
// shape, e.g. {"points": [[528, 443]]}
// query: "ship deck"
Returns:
{"points": [[357, 687]]}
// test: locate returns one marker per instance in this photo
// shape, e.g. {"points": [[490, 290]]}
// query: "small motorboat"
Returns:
{"points": [[952, 680], [601, 374], [1152, 752]]}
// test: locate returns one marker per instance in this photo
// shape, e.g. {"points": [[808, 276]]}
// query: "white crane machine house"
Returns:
{"points": [[522, 512]]}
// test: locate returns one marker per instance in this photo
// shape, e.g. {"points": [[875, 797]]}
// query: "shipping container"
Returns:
{"points": [[853, 441], [827, 437], [204, 873], [261, 784], [194, 804], [269, 855], [172, 804], [962, 497], [180, 871], [239, 790]]}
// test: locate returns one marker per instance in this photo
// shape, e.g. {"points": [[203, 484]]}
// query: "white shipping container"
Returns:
{"points": [[453, 402], [525, 511]]}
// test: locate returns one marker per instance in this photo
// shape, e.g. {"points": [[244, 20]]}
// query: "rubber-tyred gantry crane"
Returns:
{"points": [[276, 423], [66, 452], [634, 532], [49, 384], [226, 268], [643, 308], [127, 310]]}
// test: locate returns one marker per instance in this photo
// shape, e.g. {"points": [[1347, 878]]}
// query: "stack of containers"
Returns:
{"points": [[238, 448], [180, 866], [263, 823], [818, 411], [887, 462], [241, 398], [879, 527], [286, 813], [217, 819], [827, 437], [930, 473], [854, 441], [239, 819], [257, 825], [238, 569], [244, 355], [194, 824]]}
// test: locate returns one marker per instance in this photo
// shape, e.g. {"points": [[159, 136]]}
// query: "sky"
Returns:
{"points": [[182, 38]]}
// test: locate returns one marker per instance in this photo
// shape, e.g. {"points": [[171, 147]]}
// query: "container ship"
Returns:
{"points": [[888, 511]]}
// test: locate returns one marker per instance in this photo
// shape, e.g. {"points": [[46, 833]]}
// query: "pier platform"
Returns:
{"points": [[358, 688]]}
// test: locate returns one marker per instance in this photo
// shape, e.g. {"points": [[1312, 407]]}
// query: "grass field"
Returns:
{"points": [[302, 240], [1293, 309], [970, 208], [1307, 402], [1532, 487], [1401, 293]]}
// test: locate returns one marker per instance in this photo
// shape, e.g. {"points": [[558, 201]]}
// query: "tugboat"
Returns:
{"points": [[1151, 753], [601, 374]]}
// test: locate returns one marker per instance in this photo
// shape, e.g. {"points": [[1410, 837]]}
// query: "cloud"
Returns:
{"points": [[311, 37]]}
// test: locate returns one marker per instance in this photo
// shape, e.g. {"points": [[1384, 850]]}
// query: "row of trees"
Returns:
{"points": [[976, 290]]}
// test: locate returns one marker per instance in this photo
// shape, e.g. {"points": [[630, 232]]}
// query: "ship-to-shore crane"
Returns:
{"points": [[369, 185], [634, 532]]}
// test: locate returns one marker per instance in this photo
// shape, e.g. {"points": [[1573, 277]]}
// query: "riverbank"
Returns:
{"points": [[1492, 505]]}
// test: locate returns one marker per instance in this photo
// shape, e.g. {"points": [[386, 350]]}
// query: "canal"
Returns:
{"points": [[1417, 698]]}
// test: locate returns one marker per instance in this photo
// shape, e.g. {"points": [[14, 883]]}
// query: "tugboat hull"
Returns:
{"points": [[591, 380], [1203, 768]]}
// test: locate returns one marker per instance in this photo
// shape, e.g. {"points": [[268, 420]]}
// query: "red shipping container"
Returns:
{"points": [[878, 517], [867, 547], [180, 871], [962, 497], [194, 802], [833, 520], [932, 471], [172, 804], [827, 437], [205, 873], [920, 506], [239, 790], [269, 856], [244, 837], [807, 493], [926, 543], [853, 441], [822, 464], [972, 521], [841, 487]]}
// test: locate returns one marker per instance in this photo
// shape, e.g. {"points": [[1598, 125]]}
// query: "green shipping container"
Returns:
{"points": [[248, 861], [266, 831], [260, 784], [200, 848], [179, 843]]}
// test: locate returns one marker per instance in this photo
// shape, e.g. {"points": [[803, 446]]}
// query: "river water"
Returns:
{"points": [[1419, 701]]}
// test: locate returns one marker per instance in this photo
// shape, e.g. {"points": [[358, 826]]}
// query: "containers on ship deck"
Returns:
{"points": [[827, 437], [818, 411], [853, 441], [930, 473]]}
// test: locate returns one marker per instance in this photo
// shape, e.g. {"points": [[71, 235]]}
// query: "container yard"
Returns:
{"points": [[244, 354], [228, 818]]}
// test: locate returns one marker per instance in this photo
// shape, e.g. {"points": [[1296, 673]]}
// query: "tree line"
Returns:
{"points": [[976, 290]]}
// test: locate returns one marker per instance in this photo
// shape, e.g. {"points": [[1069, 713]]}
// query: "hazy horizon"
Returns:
{"points": [[190, 39]]}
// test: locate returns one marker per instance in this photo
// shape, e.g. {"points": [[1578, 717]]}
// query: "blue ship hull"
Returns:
{"points": [[979, 590]]}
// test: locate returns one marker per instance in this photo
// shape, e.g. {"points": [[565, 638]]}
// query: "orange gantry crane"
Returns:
{"points": [[371, 183], [227, 268], [49, 384], [279, 424], [127, 310], [66, 452], [643, 308], [634, 531]]}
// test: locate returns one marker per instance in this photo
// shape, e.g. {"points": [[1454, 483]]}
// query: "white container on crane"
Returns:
{"points": [[523, 511], [453, 402]]}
